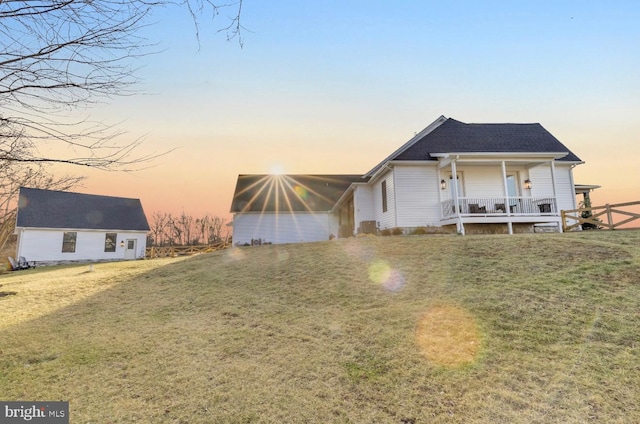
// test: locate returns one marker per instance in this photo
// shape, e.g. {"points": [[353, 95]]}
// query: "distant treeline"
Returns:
{"points": [[184, 229]]}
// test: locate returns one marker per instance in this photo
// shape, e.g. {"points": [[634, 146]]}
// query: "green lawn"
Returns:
{"points": [[533, 328]]}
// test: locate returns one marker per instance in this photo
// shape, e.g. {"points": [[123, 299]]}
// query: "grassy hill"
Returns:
{"points": [[418, 329]]}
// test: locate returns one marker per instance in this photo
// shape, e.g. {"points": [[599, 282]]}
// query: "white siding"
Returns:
{"points": [[541, 181], [565, 189], [283, 227], [417, 197], [363, 204], [46, 245], [385, 219], [542, 184], [482, 181]]}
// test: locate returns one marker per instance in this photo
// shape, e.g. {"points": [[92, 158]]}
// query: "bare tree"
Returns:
{"points": [[217, 230], [185, 222], [15, 175], [184, 229], [158, 227], [59, 55]]}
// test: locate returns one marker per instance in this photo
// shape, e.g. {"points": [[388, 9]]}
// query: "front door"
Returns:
{"points": [[130, 249], [512, 191], [459, 186]]}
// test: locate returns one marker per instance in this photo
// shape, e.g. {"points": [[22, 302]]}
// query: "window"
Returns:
{"points": [[69, 242], [384, 196], [110, 242]]}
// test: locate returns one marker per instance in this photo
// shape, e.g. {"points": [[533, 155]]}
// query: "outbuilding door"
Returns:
{"points": [[130, 249]]}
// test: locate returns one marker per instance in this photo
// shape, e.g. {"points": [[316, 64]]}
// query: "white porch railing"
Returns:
{"points": [[500, 206]]}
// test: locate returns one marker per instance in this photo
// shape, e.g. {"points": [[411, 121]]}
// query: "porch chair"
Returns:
{"points": [[18, 265], [502, 207], [475, 208], [544, 207], [24, 264]]}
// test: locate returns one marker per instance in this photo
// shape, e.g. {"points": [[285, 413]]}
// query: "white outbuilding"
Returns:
{"points": [[59, 226]]}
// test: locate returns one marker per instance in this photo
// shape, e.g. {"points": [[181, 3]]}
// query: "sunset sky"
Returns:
{"points": [[334, 87]]}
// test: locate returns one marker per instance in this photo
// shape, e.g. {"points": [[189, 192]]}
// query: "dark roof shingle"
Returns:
{"points": [[457, 137], [290, 193], [39, 208]]}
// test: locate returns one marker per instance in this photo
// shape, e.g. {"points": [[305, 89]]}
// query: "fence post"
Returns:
{"points": [[609, 216]]}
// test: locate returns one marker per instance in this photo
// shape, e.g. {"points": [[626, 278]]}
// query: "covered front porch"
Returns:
{"points": [[488, 189], [509, 211]]}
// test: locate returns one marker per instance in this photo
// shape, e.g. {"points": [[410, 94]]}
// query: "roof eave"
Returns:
{"points": [[435, 124], [24, 227], [550, 155], [345, 195]]}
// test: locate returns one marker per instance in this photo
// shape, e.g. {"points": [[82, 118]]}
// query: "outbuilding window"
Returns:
{"points": [[69, 242], [110, 242]]}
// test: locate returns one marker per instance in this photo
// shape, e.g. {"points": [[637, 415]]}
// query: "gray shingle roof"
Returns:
{"points": [[295, 193], [61, 209], [457, 137]]}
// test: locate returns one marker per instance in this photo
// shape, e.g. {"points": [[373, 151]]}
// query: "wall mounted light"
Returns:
{"points": [[443, 185], [527, 184], [121, 243]]}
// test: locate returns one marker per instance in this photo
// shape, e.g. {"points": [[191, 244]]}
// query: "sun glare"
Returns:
{"points": [[276, 169]]}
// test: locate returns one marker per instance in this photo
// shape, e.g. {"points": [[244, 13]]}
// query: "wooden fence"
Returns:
{"points": [[174, 251], [601, 216]]}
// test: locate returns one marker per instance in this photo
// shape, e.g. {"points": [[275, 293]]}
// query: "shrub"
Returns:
{"points": [[419, 231], [385, 232], [397, 231]]}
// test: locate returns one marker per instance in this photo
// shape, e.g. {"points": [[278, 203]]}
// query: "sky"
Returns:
{"points": [[333, 87]]}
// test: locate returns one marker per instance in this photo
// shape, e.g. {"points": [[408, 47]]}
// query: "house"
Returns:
{"points": [[59, 226], [287, 208], [451, 176]]}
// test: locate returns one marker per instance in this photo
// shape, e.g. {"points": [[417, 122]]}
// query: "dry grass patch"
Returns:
{"points": [[343, 331], [448, 335], [42, 291]]}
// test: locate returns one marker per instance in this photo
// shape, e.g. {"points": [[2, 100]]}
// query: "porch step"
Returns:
{"points": [[546, 227]]}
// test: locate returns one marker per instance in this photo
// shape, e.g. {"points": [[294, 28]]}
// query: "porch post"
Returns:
{"points": [[354, 213], [553, 183], [507, 208], [555, 192], [456, 198]]}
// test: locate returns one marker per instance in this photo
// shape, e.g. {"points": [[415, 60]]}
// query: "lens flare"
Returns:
{"points": [[236, 254], [395, 281], [283, 255], [301, 192], [23, 201], [380, 272], [448, 335]]}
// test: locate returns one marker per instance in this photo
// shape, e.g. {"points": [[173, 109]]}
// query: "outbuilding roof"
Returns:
{"points": [[290, 193], [39, 208]]}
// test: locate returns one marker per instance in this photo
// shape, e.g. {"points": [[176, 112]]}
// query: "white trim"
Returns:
{"points": [[555, 155], [345, 195], [380, 172], [432, 126], [80, 229]]}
